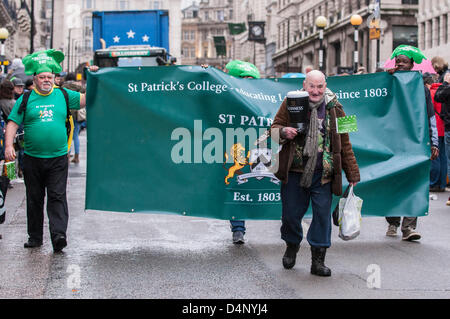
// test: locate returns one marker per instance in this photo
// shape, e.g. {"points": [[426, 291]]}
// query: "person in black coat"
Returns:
{"points": [[443, 96]]}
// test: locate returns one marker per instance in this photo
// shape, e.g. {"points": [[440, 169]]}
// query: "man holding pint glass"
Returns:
{"points": [[311, 160]]}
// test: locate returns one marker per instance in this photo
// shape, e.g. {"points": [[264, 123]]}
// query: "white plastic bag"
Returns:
{"points": [[350, 216]]}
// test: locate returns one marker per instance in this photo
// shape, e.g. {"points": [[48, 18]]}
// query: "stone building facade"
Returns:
{"points": [[297, 36], [8, 21], [15, 17], [434, 27], [202, 22], [190, 48]]}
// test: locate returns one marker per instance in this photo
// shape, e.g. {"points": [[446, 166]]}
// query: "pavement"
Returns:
{"points": [[149, 256]]}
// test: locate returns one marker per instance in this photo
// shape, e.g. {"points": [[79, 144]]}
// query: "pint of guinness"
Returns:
{"points": [[298, 107]]}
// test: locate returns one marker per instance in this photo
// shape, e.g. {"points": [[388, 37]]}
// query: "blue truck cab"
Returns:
{"points": [[131, 38]]}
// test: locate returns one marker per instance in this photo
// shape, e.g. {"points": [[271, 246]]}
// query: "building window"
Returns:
{"points": [[220, 16], [279, 37], [410, 1], [445, 30], [155, 5], [188, 52], [122, 4], [87, 25], [337, 53], [422, 36], [87, 45], [428, 32], [188, 35], [89, 4], [405, 35], [438, 31]]}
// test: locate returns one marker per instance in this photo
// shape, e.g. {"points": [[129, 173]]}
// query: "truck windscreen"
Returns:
{"points": [[137, 61], [105, 61]]}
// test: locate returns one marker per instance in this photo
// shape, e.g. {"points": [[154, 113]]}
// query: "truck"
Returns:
{"points": [[131, 38]]}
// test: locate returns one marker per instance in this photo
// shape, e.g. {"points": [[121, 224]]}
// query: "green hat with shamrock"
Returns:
{"points": [[43, 61], [241, 69], [409, 51]]}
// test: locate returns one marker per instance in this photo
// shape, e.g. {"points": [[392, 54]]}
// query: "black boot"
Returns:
{"points": [[290, 255], [32, 243], [318, 258]]}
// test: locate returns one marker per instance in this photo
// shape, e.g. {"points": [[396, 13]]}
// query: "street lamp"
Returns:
{"points": [[356, 21], [24, 5], [321, 23], [4, 34]]}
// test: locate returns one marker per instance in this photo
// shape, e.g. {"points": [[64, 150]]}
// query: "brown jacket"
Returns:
{"points": [[341, 148]]}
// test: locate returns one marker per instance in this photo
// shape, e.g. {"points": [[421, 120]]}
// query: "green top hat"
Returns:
{"points": [[241, 69], [409, 51], [43, 61]]}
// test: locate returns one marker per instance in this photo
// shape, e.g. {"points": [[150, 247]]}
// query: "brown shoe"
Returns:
{"points": [[448, 202], [410, 234], [392, 231]]}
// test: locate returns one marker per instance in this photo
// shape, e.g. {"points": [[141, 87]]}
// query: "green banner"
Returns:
{"points": [[221, 46], [181, 140], [236, 28]]}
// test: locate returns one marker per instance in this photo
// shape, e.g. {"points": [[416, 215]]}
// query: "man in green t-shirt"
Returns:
{"points": [[46, 148]]}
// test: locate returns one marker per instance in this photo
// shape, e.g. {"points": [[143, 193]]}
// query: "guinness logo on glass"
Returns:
{"points": [[298, 107]]}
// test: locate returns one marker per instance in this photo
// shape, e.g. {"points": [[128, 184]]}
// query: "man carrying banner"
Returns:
{"points": [[405, 57], [310, 166], [44, 117]]}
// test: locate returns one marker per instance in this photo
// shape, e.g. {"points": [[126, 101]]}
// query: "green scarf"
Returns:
{"points": [[311, 145]]}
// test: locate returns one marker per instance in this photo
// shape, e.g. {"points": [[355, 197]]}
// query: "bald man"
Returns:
{"points": [[310, 166]]}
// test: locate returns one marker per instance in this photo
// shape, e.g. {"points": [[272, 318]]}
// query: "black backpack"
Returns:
{"points": [[69, 120], [4, 181]]}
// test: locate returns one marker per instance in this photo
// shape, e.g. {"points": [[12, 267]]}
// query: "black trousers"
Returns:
{"points": [[40, 175]]}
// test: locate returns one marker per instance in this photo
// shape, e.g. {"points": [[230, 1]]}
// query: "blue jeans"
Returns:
{"points": [[76, 133], [447, 149], [2, 143], [237, 225], [295, 202], [438, 172]]}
